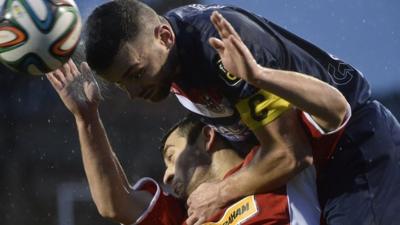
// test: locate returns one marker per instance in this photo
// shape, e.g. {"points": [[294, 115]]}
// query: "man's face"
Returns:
{"points": [[143, 69], [188, 166]]}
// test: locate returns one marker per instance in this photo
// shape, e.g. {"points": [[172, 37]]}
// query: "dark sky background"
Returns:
{"points": [[364, 33]]}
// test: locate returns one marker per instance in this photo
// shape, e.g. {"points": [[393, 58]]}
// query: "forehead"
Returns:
{"points": [[127, 56], [175, 143]]}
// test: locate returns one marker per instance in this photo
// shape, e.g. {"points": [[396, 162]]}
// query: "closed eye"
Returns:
{"points": [[169, 158], [137, 74]]}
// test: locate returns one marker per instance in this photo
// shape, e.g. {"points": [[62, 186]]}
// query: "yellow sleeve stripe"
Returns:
{"points": [[261, 109]]}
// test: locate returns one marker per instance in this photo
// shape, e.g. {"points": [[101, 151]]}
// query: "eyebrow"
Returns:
{"points": [[166, 147]]}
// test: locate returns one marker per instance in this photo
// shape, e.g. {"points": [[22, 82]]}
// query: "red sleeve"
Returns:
{"points": [[164, 209], [323, 143]]}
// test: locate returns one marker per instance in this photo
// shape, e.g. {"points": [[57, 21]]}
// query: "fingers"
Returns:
{"points": [[227, 26], [216, 21], [66, 70], [242, 51], [224, 28], [216, 43], [200, 221], [54, 81], [74, 69], [190, 211], [195, 220], [189, 202], [59, 75], [85, 69], [239, 46], [192, 220]]}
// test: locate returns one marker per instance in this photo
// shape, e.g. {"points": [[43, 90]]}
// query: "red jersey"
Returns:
{"points": [[295, 203]]}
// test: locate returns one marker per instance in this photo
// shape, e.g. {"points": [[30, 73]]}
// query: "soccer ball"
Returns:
{"points": [[38, 36]]}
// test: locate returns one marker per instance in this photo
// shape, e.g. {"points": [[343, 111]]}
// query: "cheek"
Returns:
{"points": [[159, 60], [198, 177], [184, 170]]}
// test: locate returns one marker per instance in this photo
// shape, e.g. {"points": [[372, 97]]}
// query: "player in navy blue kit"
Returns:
{"points": [[148, 54]]}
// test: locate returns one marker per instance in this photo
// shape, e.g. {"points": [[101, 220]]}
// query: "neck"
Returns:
{"points": [[223, 161]]}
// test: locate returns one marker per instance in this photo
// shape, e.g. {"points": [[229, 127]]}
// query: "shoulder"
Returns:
{"points": [[198, 15], [193, 11], [163, 209]]}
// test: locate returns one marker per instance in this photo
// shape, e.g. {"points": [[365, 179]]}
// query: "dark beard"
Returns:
{"points": [[162, 93], [170, 70]]}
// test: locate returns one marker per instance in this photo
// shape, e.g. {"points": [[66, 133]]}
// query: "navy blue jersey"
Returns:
{"points": [[206, 88]]}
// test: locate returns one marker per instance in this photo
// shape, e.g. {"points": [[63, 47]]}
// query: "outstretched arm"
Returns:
{"points": [[111, 192], [323, 102], [285, 150]]}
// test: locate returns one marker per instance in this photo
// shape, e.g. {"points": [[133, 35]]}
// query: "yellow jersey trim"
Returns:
{"points": [[261, 109], [238, 212]]}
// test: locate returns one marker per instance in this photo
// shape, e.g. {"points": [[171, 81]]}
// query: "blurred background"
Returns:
{"points": [[41, 173]]}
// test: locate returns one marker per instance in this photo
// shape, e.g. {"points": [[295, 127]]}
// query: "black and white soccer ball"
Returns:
{"points": [[37, 36]]}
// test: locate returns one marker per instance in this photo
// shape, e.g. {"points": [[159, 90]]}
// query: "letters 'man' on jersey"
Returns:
{"points": [[208, 89]]}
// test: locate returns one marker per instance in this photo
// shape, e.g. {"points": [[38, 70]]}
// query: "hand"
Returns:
{"points": [[235, 56], [79, 91], [203, 203]]}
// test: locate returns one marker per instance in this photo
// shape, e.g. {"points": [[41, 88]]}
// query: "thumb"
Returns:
{"points": [[217, 44], [86, 71], [92, 92]]}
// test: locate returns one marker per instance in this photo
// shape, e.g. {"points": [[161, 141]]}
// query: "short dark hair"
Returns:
{"points": [[190, 126], [109, 27]]}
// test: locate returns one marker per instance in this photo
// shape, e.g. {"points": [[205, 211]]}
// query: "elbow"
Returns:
{"points": [[343, 109], [339, 113], [107, 212], [113, 214]]}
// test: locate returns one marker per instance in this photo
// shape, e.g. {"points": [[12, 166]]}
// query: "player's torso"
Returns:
{"points": [[205, 87], [208, 90]]}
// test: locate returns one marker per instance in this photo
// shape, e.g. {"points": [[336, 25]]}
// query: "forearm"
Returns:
{"points": [[108, 184], [284, 152], [324, 102], [265, 176]]}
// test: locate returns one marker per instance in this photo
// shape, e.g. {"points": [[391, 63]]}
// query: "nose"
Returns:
{"points": [[168, 176]]}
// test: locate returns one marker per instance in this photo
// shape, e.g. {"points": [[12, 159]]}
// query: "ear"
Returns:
{"points": [[165, 34], [209, 137]]}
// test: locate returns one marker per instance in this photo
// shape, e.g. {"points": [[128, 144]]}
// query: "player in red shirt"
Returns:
{"points": [[195, 153]]}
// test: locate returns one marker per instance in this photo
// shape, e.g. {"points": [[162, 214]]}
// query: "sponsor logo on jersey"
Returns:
{"points": [[233, 132], [207, 103], [239, 212], [227, 77], [341, 72]]}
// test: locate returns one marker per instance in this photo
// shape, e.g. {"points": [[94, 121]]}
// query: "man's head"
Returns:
{"points": [[194, 153], [127, 43]]}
